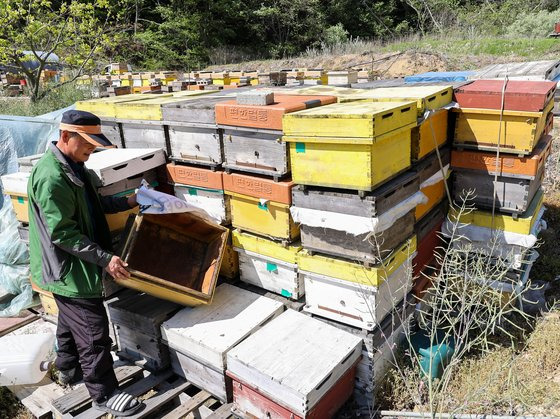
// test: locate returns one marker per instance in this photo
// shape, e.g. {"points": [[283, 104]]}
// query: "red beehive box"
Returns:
{"points": [[508, 165], [266, 116], [527, 96], [259, 187], [194, 176]]}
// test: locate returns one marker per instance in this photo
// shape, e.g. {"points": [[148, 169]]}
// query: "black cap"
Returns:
{"points": [[87, 125]]}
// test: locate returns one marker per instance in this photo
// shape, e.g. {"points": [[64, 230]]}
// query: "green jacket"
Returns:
{"points": [[64, 259]]}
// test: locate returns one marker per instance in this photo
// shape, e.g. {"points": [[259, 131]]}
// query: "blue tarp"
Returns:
{"points": [[440, 76]]}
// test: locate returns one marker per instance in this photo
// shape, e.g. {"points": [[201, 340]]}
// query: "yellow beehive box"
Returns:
{"points": [[520, 131], [265, 247], [350, 120], [106, 107], [230, 263], [429, 134], [523, 224], [339, 92], [259, 216], [117, 221], [355, 272], [426, 97], [349, 163], [15, 185]]}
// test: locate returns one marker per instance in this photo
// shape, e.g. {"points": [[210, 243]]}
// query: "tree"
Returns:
{"points": [[33, 31]]}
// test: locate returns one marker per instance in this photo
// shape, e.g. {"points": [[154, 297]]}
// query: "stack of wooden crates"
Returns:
{"points": [[501, 144]]}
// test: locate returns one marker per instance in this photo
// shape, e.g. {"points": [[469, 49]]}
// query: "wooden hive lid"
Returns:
{"points": [[195, 176], [207, 332], [295, 359], [259, 187]]}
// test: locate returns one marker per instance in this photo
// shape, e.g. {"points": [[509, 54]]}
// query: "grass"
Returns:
{"points": [[57, 99]]}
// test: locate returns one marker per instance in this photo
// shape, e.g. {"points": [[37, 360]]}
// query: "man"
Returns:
{"points": [[70, 245]]}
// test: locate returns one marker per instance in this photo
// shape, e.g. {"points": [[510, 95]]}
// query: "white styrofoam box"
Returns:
{"points": [[128, 184], [294, 359], [356, 304], [207, 332], [271, 274], [213, 201], [15, 183], [115, 164]]}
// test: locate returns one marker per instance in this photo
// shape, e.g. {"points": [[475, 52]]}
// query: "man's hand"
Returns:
{"points": [[117, 268], [132, 202]]}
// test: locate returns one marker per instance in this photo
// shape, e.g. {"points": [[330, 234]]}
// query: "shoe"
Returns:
{"points": [[68, 377], [119, 404]]}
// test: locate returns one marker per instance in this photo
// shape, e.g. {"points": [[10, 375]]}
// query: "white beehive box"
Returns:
{"points": [[358, 305], [113, 165], [200, 337], [129, 184], [294, 360], [213, 201], [15, 183]]}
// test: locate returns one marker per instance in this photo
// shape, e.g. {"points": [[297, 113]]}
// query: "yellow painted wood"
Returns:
{"points": [[506, 222], [106, 107], [160, 291], [354, 272], [426, 97], [271, 219], [20, 203], [349, 166], [266, 247], [423, 137], [435, 194], [221, 81], [48, 303], [325, 90], [520, 131], [254, 82], [230, 263], [117, 221], [353, 119]]}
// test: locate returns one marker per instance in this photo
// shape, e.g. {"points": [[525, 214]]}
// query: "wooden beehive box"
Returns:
{"points": [[426, 97], [522, 223], [143, 134], [513, 166], [201, 337], [111, 129], [256, 151], [431, 133], [137, 321], [268, 264], [106, 107], [176, 257], [428, 234], [340, 206], [519, 134], [114, 165], [432, 180], [530, 96], [26, 164], [213, 201], [128, 185], [15, 185], [357, 304], [268, 117], [293, 367]]}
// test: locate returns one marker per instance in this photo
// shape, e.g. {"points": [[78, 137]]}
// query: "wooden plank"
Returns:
{"points": [[37, 398], [223, 412], [136, 389], [9, 324], [80, 396], [194, 403], [161, 398]]}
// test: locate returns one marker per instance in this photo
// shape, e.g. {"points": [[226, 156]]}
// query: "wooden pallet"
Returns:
{"points": [[164, 394]]}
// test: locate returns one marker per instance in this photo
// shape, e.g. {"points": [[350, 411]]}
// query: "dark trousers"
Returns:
{"points": [[83, 336]]}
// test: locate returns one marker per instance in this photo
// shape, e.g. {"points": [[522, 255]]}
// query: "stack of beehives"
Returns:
{"points": [[501, 144], [359, 205]]}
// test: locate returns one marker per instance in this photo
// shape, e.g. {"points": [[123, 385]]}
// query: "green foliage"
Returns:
{"points": [[534, 25], [334, 35], [56, 99], [74, 30]]}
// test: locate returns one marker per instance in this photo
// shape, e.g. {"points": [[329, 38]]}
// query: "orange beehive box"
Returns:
{"points": [[259, 187], [508, 164], [194, 176], [269, 116]]}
